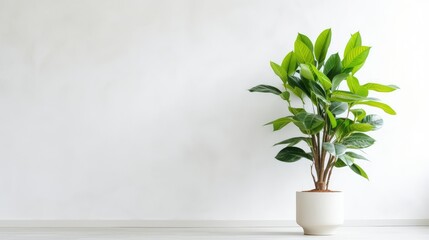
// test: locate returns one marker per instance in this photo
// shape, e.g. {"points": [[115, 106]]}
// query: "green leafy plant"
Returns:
{"points": [[332, 119]]}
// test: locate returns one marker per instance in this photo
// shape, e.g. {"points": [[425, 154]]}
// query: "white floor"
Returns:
{"points": [[345, 233]]}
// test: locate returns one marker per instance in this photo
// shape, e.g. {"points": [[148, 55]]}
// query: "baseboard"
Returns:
{"points": [[196, 223], [386, 222]]}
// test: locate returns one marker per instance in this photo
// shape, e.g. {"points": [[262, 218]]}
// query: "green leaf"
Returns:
{"points": [[355, 87], [296, 82], [375, 121], [338, 79], [355, 155], [318, 91], [285, 95], [306, 40], [356, 56], [289, 64], [307, 83], [355, 41], [340, 131], [309, 123], [292, 154], [322, 44], [293, 141], [361, 91], [303, 53], [338, 107], [343, 96], [360, 127], [353, 83], [386, 108], [334, 149], [279, 71], [296, 91], [359, 170], [339, 163], [332, 119], [358, 140], [332, 66], [323, 79], [356, 68], [295, 111], [380, 87], [265, 89], [358, 113], [347, 159], [306, 72], [280, 122]]}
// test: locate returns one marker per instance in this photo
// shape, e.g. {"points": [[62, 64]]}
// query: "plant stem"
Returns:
{"points": [[321, 160], [329, 176], [315, 150], [329, 166], [312, 175], [324, 139]]}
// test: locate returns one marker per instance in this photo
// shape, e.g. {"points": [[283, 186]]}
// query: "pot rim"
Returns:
{"points": [[329, 192]]}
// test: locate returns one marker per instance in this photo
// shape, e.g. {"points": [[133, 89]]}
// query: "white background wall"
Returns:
{"points": [[139, 109]]}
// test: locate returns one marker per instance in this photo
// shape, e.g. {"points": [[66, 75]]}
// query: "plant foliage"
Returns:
{"points": [[336, 126]]}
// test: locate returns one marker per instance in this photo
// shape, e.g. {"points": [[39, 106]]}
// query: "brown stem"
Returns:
{"points": [[320, 185], [314, 150], [329, 176], [328, 167], [323, 154], [311, 171], [320, 159]]}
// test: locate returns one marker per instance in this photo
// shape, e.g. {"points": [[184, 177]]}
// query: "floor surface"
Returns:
{"points": [[345, 233]]}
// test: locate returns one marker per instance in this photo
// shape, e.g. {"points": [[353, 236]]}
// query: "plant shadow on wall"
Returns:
{"points": [[333, 123]]}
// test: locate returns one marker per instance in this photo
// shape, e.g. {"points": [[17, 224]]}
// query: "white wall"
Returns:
{"points": [[139, 109]]}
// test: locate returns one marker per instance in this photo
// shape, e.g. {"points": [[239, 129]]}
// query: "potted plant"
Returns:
{"points": [[330, 116]]}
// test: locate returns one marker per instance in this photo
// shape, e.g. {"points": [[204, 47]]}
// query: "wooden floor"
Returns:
{"points": [[345, 233]]}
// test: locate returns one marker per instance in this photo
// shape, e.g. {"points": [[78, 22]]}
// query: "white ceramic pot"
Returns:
{"points": [[319, 213]]}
